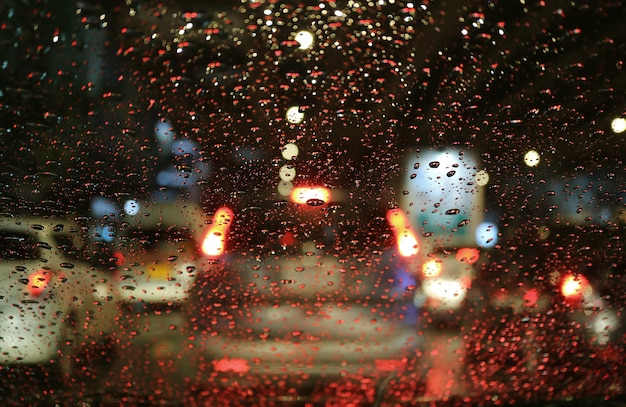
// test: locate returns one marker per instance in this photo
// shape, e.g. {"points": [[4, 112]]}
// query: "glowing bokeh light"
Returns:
{"points": [[215, 240], [287, 173], [469, 255], [37, 282], [531, 158], [164, 133], [305, 39], [406, 239], [290, 151], [101, 207], [294, 115], [432, 268], [305, 195], [618, 125], [574, 286], [285, 187], [482, 178], [486, 235], [131, 207]]}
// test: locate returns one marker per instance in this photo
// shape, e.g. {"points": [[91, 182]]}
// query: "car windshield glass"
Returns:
{"points": [[312, 202], [153, 239], [17, 246]]}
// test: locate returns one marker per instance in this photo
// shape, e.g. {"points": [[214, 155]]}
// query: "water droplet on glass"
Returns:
{"points": [[315, 202]]}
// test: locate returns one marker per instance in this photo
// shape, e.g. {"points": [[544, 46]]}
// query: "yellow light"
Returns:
{"points": [[618, 125], [482, 178], [290, 151], [222, 218], [305, 39], [214, 244], [432, 268], [531, 158], [406, 239], [407, 244], [397, 219], [573, 286], [285, 187], [287, 172], [294, 115], [310, 195], [215, 240]]}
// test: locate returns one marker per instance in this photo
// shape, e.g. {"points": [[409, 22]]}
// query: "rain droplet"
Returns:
{"points": [[433, 164], [451, 173], [453, 212], [315, 202]]}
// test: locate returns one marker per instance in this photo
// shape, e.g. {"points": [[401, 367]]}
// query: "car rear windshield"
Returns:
{"points": [[17, 246], [278, 227], [153, 239]]}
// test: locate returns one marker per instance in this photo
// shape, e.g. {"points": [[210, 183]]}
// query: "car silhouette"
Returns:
{"points": [[54, 305]]}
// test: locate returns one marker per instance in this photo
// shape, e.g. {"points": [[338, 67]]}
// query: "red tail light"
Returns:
{"points": [[313, 196], [468, 255], [118, 258], [574, 286], [234, 365], [531, 297], [406, 239], [38, 282], [215, 240]]}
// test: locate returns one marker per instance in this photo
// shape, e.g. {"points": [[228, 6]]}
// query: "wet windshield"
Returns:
{"points": [[312, 203]]}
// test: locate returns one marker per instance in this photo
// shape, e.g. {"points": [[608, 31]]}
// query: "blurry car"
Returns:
{"points": [[552, 305], [568, 279], [442, 208], [53, 303], [580, 274], [303, 287], [157, 252]]}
